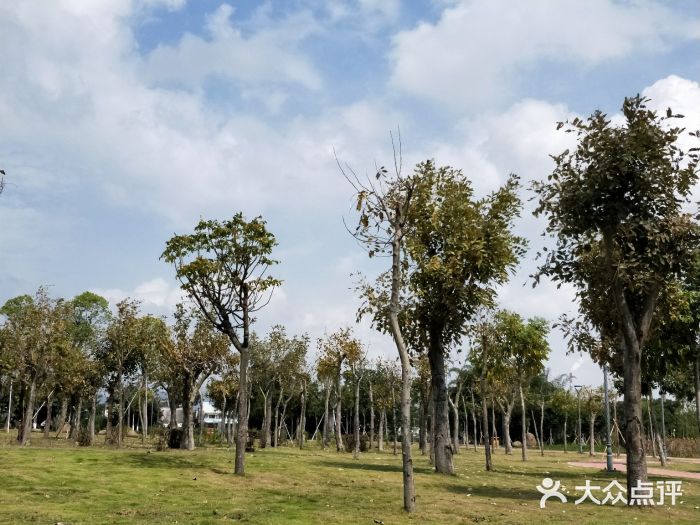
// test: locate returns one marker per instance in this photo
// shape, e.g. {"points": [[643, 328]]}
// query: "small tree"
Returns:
{"points": [[223, 268]]}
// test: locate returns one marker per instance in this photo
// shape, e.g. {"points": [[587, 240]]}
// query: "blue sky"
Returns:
{"points": [[124, 121]]}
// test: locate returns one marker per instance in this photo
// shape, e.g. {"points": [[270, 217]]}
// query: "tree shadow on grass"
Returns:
{"points": [[376, 467], [163, 460]]}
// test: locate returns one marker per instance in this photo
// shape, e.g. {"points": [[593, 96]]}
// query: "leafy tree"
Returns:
{"points": [[223, 268], [460, 248], [614, 205]]}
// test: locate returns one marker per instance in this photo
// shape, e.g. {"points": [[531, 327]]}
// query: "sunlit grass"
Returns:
{"points": [[75, 485]]}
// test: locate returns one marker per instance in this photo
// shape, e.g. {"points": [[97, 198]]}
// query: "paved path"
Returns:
{"points": [[651, 470]]}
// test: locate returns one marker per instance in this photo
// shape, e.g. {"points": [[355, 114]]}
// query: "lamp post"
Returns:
{"points": [[608, 445], [580, 437]]}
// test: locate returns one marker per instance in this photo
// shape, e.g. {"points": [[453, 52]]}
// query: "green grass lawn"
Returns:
{"points": [[71, 485]]}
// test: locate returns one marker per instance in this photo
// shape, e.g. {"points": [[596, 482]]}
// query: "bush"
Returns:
{"points": [[349, 440], [683, 447]]}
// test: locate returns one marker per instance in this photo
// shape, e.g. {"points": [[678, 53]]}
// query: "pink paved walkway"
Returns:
{"points": [[651, 470]]}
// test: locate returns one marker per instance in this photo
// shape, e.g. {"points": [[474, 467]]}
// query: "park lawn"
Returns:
{"points": [[70, 485]]}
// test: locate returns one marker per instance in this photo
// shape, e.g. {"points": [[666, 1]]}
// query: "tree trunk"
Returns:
{"points": [[110, 414], [75, 426], [188, 398], [591, 430], [371, 418], [566, 418], [172, 402], [28, 413], [441, 437], [338, 415], [542, 426], [485, 427], [380, 436], [267, 423], [474, 426], [277, 424], [120, 412], [91, 420], [47, 421], [356, 420], [523, 421], [302, 417], [662, 446], [506, 428], [455, 416], [62, 414], [393, 418], [326, 416], [697, 387], [652, 433], [144, 409], [534, 426], [494, 433], [422, 422], [242, 431], [9, 410]]}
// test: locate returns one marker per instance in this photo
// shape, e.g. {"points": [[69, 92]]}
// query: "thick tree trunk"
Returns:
{"points": [[506, 428], [75, 425], [441, 437], [371, 418], [242, 430], [62, 413], [326, 418], [28, 413], [47, 421], [188, 398], [523, 421], [91, 420], [172, 402]]}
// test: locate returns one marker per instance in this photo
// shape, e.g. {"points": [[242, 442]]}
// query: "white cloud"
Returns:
{"points": [[475, 51], [268, 55], [156, 296]]}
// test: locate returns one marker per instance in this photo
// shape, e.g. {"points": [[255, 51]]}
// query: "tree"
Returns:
{"points": [[223, 268], [592, 404], [459, 248], [34, 336], [385, 208], [196, 352], [614, 205], [120, 357]]}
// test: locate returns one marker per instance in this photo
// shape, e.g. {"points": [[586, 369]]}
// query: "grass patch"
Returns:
{"points": [[50, 484]]}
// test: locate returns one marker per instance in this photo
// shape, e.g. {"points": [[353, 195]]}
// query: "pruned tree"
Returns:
{"points": [[223, 267]]}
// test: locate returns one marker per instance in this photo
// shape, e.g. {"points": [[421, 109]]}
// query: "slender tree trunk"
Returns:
{"points": [[9, 411], [652, 436], [534, 426], [455, 416], [75, 426], [28, 414], [356, 420], [441, 438], [242, 431], [494, 433], [302, 417], [144, 408], [91, 420], [393, 418], [326, 417], [371, 418], [663, 426], [566, 418], [523, 421], [474, 426], [422, 422], [277, 423], [338, 415], [120, 412], [591, 430], [380, 436], [267, 423], [542, 426], [109, 431], [47, 421], [485, 429]]}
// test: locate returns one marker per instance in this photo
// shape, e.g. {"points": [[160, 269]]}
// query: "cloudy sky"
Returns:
{"points": [[124, 121]]}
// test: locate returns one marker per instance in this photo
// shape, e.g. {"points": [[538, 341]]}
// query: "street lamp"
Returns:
{"points": [[580, 437], [608, 445]]}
